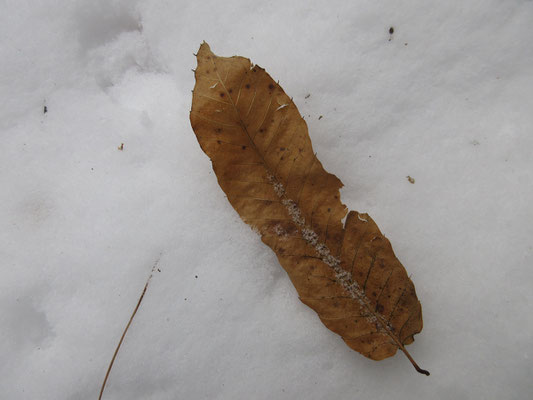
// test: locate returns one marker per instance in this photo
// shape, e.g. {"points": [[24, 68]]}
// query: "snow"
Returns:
{"points": [[447, 101]]}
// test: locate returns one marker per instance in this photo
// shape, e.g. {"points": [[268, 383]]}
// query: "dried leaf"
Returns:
{"points": [[262, 156]]}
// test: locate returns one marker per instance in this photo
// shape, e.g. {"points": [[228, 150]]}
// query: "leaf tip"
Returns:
{"points": [[205, 46]]}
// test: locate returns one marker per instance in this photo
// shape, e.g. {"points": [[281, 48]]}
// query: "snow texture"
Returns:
{"points": [[445, 99]]}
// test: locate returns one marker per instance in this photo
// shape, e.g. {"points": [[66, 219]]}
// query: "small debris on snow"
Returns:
{"points": [[121, 147], [411, 180]]}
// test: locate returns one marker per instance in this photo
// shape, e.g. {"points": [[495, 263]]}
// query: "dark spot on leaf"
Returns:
{"points": [[230, 90], [221, 94], [244, 147], [271, 86], [219, 142], [261, 130], [282, 148], [247, 86], [329, 209]]}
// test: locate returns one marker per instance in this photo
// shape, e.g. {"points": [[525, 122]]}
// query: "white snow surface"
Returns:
{"points": [[447, 101]]}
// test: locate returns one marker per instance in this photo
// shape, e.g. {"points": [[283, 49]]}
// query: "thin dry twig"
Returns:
{"points": [[127, 327]]}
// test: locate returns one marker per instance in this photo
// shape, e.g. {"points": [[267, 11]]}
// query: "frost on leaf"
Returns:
{"points": [[264, 161]]}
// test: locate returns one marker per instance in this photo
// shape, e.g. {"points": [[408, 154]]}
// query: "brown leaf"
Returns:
{"points": [[263, 158]]}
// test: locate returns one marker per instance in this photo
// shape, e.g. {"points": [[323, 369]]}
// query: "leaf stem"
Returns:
{"points": [[418, 369]]}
